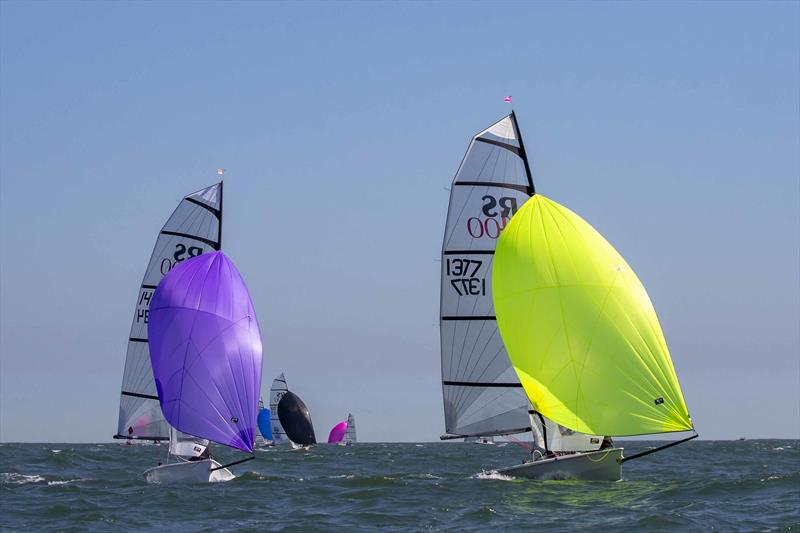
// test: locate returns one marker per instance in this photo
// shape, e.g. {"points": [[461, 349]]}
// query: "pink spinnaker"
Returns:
{"points": [[337, 433]]}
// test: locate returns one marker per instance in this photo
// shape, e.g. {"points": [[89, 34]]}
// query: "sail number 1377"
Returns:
{"points": [[466, 284]]}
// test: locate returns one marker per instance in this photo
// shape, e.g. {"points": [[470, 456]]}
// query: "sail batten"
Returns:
{"points": [[192, 229]]}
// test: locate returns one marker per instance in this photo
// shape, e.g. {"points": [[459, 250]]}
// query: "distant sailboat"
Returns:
{"points": [[344, 432], [264, 425], [350, 434], [296, 420], [205, 351], [555, 313], [195, 227], [279, 388]]}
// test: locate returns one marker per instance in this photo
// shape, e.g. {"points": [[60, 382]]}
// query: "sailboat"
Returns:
{"points": [[513, 259], [344, 432], [278, 389], [296, 420], [195, 227], [205, 351], [350, 435], [264, 425]]}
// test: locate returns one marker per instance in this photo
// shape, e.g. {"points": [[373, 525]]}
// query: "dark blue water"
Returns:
{"points": [[700, 486]]}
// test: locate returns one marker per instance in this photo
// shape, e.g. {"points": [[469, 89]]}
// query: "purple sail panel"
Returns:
{"points": [[337, 433], [205, 349]]}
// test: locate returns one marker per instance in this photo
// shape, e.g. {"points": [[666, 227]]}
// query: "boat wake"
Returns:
{"points": [[492, 474]]}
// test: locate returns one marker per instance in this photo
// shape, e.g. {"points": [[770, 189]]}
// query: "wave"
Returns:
{"points": [[15, 478], [492, 474]]}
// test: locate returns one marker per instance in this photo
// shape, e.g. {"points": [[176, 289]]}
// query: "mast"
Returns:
{"points": [[523, 155], [219, 221]]}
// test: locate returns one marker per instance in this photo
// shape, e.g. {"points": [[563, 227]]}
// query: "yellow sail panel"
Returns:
{"points": [[580, 329]]}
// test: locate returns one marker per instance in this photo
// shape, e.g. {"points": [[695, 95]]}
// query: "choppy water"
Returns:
{"points": [[701, 485]]}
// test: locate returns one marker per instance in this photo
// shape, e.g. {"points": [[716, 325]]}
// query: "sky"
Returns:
{"points": [[673, 128]]}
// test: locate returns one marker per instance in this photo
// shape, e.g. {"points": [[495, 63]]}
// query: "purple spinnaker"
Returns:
{"points": [[337, 433], [205, 349]]}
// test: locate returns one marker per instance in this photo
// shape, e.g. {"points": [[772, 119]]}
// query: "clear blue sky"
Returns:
{"points": [[673, 128]]}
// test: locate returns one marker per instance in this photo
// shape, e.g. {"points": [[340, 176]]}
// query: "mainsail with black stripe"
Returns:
{"points": [[482, 394], [195, 227]]}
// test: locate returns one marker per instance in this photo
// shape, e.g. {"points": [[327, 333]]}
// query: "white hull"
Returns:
{"points": [[602, 465], [188, 472]]}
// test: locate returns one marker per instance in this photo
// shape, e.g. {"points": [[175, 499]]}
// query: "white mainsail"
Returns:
{"points": [[482, 394], [195, 227], [277, 391], [350, 433]]}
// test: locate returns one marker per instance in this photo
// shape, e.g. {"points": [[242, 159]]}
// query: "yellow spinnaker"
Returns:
{"points": [[580, 329]]}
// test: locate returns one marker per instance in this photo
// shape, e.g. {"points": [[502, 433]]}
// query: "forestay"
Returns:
{"points": [[482, 394], [277, 391], [193, 228]]}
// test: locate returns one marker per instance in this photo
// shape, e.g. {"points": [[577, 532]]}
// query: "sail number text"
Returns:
{"points": [[181, 252], [497, 212], [467, 284]]}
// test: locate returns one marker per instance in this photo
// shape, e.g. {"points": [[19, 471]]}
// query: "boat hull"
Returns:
{"points": [[602, 465], [188, 472]]}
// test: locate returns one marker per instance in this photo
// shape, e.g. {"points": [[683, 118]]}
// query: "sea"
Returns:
{"points": [[751, 485]]}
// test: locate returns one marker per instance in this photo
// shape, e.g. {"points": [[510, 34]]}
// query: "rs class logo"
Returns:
{"points": [[181, 252], [497, 212]]}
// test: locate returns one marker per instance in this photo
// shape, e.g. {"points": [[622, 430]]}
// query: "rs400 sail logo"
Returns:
{"points": [[496, 212]]}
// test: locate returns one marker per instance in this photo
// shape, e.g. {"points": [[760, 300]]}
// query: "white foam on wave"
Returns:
{"points": [[65, 482], [492, 474], [56, 451], [15, 478]]}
